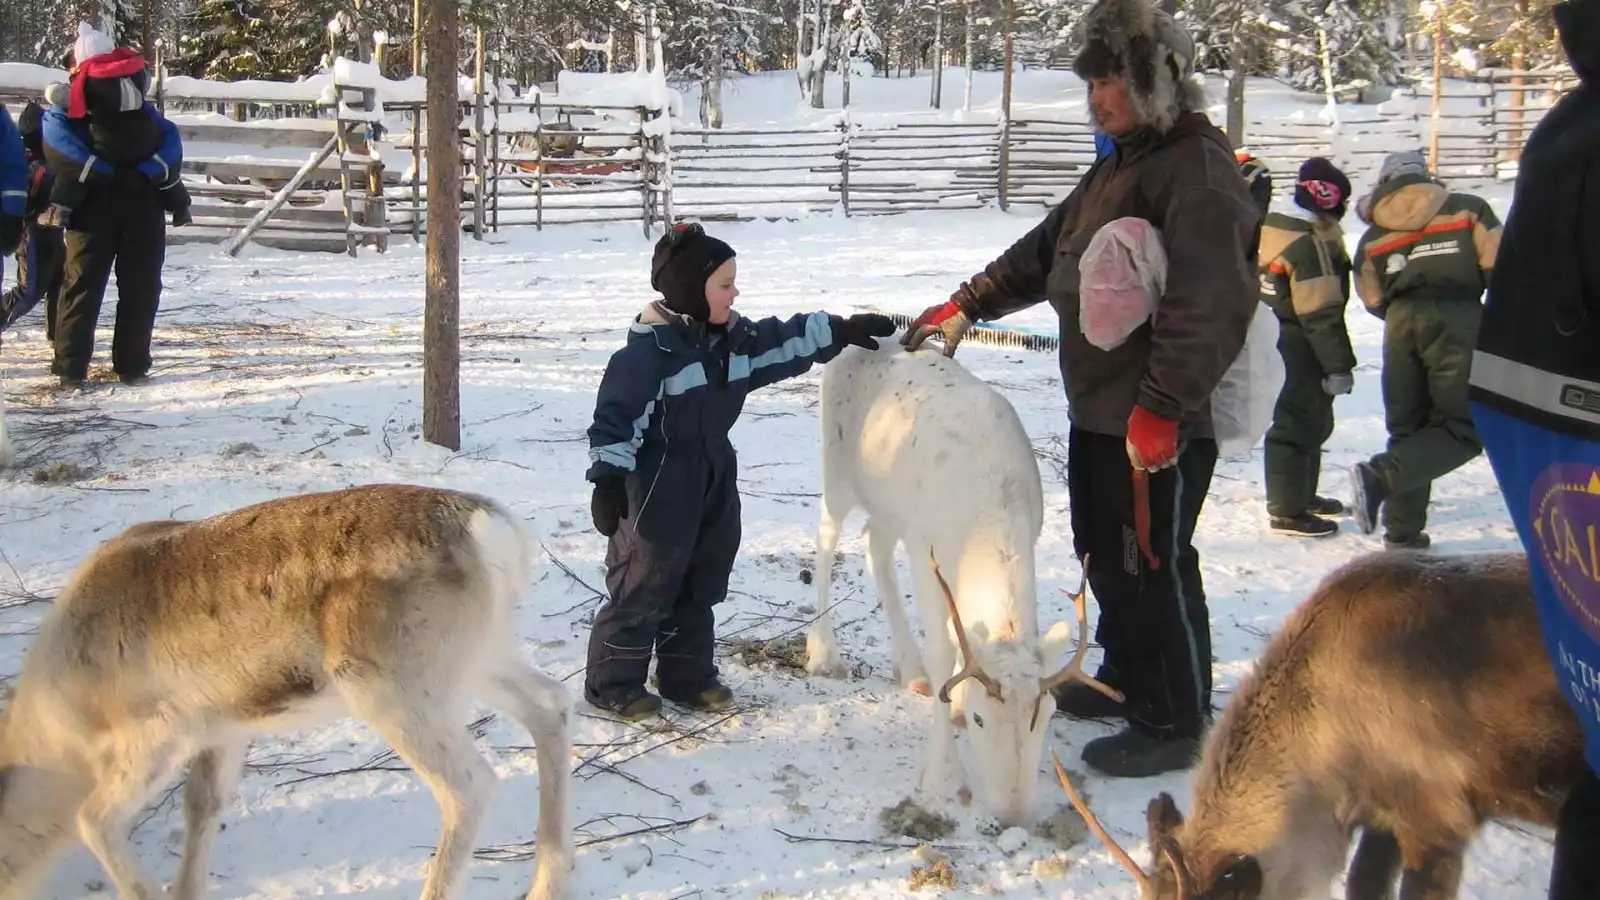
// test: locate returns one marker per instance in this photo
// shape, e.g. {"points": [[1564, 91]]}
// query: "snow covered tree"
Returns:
{"points": [[231, 40], [706, 37], [1335, 46]]}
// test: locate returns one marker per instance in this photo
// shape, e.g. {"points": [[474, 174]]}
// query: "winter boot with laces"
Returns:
{"points": [[716, 696], [1304, 525], [632, 707], [1325, 506]]}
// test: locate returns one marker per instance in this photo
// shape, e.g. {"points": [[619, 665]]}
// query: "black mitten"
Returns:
{"points": [[861, 328], [609, 504]]}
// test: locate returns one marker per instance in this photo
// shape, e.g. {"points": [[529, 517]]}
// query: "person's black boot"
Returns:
{"points": [[717, 696], [632, 706], [1133, 754]]}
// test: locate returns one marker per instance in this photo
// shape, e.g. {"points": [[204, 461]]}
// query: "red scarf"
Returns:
{"points": [[119, 63]]}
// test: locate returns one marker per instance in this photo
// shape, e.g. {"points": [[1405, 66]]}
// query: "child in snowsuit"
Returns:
{"points": [[665, 474], [42, 252], [107, 95], [1305, 280]]}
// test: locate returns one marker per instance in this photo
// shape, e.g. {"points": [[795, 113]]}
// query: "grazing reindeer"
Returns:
{"points": [[940, 461], [181, 641], [1412, 697]]}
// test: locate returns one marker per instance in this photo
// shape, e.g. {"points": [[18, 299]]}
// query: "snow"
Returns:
{"points": [[279, 372]]}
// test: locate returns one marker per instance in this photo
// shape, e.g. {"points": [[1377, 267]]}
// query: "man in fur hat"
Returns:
{"points": [[1144, 404]]}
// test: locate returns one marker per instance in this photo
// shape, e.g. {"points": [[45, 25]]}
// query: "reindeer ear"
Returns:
{"points": [[1163, 817], [1240, 879], [1053, 645]]}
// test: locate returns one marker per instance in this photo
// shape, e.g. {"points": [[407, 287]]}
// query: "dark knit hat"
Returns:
{"points": [[1322, 188], [685, 257]]}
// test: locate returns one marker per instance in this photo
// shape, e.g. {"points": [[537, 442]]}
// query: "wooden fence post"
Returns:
{"points": [[478, 160]]}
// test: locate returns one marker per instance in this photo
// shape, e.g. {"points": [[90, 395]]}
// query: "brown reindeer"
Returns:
{"points": [[180, 642], [1412, 697]]}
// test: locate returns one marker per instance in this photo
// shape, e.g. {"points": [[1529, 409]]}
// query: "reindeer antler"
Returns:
{"points": [[1099, 830], [1073, 670], [969, 663]]}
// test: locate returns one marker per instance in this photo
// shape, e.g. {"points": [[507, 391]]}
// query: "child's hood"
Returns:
{"points": [[675, 332]]}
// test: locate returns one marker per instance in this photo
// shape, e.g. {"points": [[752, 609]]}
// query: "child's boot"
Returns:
{"points": [[633, 706], [714, 697]]}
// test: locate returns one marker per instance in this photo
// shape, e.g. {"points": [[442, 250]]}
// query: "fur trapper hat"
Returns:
{"points": [[1136, 39]]}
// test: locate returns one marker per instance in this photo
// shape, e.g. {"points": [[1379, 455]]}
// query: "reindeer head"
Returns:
{"points": [[1001, 698], [1231, 877]]}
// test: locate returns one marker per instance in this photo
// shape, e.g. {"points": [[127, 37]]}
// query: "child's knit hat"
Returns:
{"points": [[1322, 187], [685, 257]]}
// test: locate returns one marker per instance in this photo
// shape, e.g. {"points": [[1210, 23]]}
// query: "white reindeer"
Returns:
{"points": [[181, 641], [940, 461]]}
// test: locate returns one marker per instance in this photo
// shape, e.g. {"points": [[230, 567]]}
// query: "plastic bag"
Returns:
{"points": [[1241, 405], [1121, 275]]}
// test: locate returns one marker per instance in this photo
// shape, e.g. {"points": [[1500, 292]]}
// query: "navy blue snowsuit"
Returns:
{"points": [[667, 401], [13, 183], [41, 253]]}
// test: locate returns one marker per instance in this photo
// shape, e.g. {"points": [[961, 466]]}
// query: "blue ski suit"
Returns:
{"points": [[667, 401]]}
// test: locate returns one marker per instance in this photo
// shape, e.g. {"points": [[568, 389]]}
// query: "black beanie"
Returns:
{"points": [[1322, 188], [685, 257]]}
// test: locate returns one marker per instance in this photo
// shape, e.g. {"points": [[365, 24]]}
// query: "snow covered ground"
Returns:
{"points": [[279, 373]]}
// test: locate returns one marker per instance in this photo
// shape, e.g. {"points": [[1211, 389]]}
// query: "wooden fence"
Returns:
{"points": [[326, 175]]}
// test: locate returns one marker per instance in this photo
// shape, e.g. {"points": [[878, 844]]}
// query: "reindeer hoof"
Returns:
{"points": [[920, 686], [824, 661], [964, 794]]}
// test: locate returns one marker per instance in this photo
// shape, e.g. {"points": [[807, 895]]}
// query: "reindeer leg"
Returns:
{"points": [[1431, 873], [544, 707], [212, 776], [1374, 867], [942, 770], [822, 645], [902, 646], [422, 720], [128, 767]]}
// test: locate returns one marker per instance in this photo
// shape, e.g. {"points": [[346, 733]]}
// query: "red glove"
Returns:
{"points": [[1152, 440], [947, 319]]}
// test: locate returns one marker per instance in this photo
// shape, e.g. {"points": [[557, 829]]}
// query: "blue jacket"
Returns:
{"points": [[71, 147], [676, 384], [13, 168], [1104, 144]]}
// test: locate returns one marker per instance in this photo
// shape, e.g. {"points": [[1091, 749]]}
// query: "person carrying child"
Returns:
{"points": [[42, 252], [102, 137], [106, 92], [665, 473]]}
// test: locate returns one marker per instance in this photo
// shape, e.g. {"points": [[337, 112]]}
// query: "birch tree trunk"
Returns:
{"points": [[936, 90], [966, 91], [441, 349], [1239, 64]]}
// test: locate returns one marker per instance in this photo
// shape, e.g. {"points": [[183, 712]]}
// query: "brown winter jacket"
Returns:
{"points": [[1186, 183]]}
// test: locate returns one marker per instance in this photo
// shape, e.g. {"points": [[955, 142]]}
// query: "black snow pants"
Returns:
{"points": [[40, 261], [1575, 870], [666, 567], [126, 229], [1154, 626]]}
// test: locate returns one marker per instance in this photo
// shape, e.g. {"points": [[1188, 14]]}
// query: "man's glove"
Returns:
{"points": [[1338, 383], [947, 319], [860, 329], [1152, 440], [609, 504], [10, 234]]}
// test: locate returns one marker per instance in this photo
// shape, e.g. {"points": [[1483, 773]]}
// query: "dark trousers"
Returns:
{"points": [[40, 261], [1154, 625], [1302, 420], [131, 237], [1575, 871], [666, 567], [1427, 360]]}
